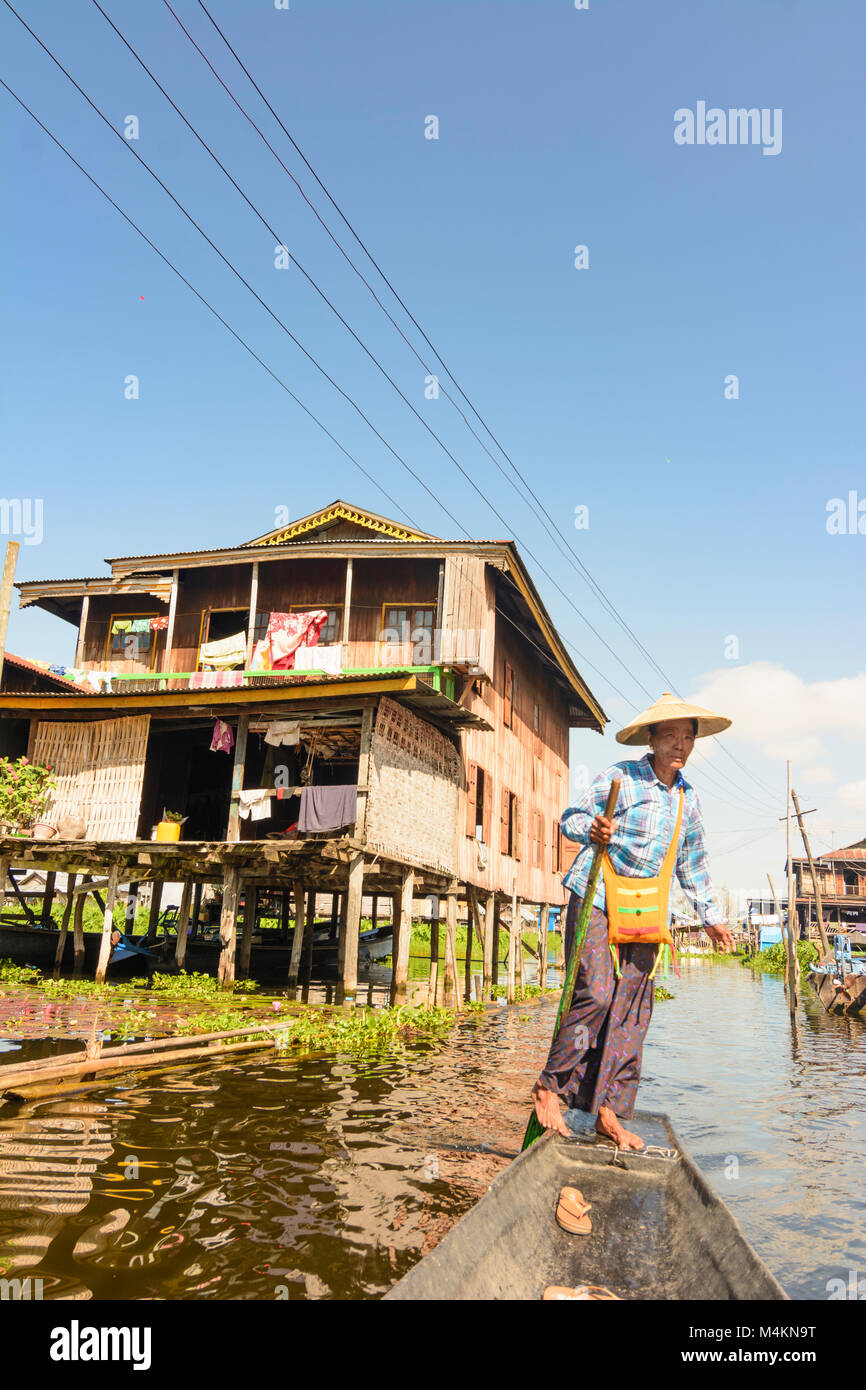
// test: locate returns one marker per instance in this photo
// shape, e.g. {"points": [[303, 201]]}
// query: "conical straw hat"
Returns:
{"points": [[671, 707]]}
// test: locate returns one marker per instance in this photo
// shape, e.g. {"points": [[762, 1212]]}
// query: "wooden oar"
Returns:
{"points": [[535, 1128]]}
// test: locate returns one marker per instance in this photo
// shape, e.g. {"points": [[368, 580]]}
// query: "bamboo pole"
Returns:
{"points": [[433, 986], [102, 1064], [400, 972], [64, 927], [78, 932], [228, 925], [183, 924], [107, 924], [349, 973], [6, 595], [825, 944]]}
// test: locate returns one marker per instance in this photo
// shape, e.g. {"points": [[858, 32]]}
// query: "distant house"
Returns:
{"points": [[841, 875], [434, 684]]}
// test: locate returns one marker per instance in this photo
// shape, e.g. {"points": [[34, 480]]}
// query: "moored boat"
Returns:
{"points": [[839, 980], [659, 1231]]}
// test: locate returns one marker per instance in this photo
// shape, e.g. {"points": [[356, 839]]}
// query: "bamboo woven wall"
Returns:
{"points": [[99, 768], [414, 777]]}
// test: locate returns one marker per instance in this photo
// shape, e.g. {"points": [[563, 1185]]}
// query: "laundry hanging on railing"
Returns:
{"points": [[283, 731], [255, 803], [211, 680], [320, 658], [328, 808], [121, 625], [223, 740], [225, 653], [140, 625], [158, 624], [97, 679], [286, 632]]}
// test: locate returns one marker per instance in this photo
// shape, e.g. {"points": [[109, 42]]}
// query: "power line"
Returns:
{"points": [[571, 554]]}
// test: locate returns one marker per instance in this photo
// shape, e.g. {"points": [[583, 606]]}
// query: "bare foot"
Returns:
{"points": [[549, 1110], [609, 1127]]}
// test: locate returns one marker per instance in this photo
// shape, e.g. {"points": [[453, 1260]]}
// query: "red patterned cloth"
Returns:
{"points": [[286, 632]]}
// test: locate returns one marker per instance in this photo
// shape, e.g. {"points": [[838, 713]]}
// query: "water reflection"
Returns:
{"points": [[287, 1178]]}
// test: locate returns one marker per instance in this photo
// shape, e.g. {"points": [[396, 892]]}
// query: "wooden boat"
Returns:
{"points": [[842, 990], [658, 1230]]}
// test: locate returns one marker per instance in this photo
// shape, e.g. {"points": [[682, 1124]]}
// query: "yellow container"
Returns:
{"points": [[168, 830]]}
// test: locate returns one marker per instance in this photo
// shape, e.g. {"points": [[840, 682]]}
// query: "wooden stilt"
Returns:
{"points": [[352, 928], [228, 925], [513, 945], [251, 903], [153, 916], [298, 938], [107, 924], [374, 914], [451, 972], [183, 924], [335, 914], [78, 932], [47, 899], [309, 929], [494, 910], [434, 958], [131, 908], [196, 907], [543, 923], [467, 970], [234, 826], [64, 926], [403, 937], [284, 914], [485, 931]]}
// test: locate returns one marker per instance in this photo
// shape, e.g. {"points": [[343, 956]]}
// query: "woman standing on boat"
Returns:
{"points": [[594, 1062]]}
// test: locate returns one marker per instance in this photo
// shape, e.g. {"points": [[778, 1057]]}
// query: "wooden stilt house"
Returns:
{"points": [[343, 704]]}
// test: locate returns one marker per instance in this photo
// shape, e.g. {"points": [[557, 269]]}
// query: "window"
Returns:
{"points": [[478, 803], [511, 824], [130, 638], [508, 717], [408, 627], [333, 629]]}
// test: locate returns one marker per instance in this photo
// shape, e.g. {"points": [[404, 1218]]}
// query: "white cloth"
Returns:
{"points": [[255, 803], [328, 659], [96, 680], [283, 731], [226, 652]]}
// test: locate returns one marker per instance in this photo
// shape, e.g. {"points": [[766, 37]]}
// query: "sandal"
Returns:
{"points": [[585, 1293], [571, 1212]]}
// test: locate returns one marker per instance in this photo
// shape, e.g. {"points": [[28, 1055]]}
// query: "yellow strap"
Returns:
{"points": [[657, 959]]}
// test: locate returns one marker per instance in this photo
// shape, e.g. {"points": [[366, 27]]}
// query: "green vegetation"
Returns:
{"points": [[197, 986], [662, 993], [521, 992], [772, 959]]}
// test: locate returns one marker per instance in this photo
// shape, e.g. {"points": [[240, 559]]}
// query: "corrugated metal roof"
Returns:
{"points": [[65, 687]]}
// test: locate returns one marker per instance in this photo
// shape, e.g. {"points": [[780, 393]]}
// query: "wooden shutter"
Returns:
{"points": [[554, 859], [471, 798], [509, 696], [487, 810], [518, 828], [505, 801]]}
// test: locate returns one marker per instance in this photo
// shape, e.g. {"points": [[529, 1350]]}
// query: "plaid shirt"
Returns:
{"points": [[645, 816]]}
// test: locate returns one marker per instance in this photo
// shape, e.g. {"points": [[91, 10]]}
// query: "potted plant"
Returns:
{"points": [[169, 827], [24, 791]]}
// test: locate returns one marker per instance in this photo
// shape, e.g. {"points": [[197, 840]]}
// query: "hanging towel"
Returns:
{"points": [[286, 633], [256, 803], [140, 625], [325, 658], [283, 731], [328, 808], [97, 679], [227, 652], [158, 624], [210, 680], [223, 740], [121, 625]]}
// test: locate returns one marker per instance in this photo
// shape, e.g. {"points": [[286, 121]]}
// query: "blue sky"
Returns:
{"points": [[707, 516]]}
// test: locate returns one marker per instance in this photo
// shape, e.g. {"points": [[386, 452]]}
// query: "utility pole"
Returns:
{"points": [[6, 595], [825, 945]]}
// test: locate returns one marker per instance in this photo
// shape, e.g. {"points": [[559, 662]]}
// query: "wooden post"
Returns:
{"points": [[196, 907], [107, 923], [309, 929], [495, 925], [251, 903], [82, 628], [792, 972], [78, 932], [183, 923], [335, 915], [349, 972], [451, 972], [364, 762], [543, 923], [513, 944], [374, 912], [234, 828], [228, 924], [347, 604], [488, 946], [251, 616], [299, 890], [48, 899], [64, 925], [153, 916], [169, 631], [6, 595], [403, 937], [467, 967], [825, 944], [434, 958], [131, 908]]}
